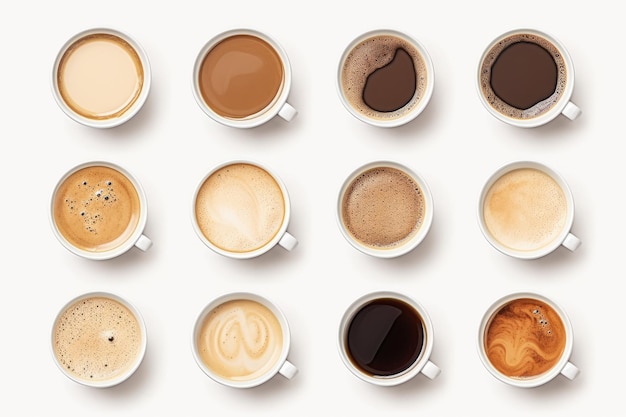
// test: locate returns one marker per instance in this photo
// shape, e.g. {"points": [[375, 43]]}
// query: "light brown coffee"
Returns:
{"points": [[97, 339], [383, 208], [525, 209], [241, 76], [240, 208], [96, 208], [240, 340], [525, 338], [100, 76], [384, 77]]}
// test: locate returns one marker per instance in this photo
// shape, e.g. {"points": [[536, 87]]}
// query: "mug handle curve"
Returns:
{"points": [[288, 370], [287, 112], [144, 243]]}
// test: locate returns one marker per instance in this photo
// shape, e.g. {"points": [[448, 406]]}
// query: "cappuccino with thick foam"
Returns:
{"points": [[97, 339], [240, 340], [240, 208], [525, 338], [525, 210]]}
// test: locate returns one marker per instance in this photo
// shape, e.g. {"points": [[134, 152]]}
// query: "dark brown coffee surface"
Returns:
{"points": [[385, 337], [391, 87]]}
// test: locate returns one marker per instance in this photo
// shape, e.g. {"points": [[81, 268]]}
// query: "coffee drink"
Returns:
{"points": [[523, 75], [385, 337], [525, 338], [240, 207], [383, 207], [96, 208], [525, 210], [97, 339], [100, 76], [384, 76], [241, 76], [240, 340]]}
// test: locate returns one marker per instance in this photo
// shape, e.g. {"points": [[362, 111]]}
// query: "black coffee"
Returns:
{"points": [[391, 87], [385, 337]]}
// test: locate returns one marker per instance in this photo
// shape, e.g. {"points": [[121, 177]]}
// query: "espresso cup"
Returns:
{"points": [[526, 79], [242, 78], [242, 340], [98, 339], [384, 209], [526, 210], [386, 338], [526, 340], [241, 210], [101, 77], [385, 78], [99, 211]]}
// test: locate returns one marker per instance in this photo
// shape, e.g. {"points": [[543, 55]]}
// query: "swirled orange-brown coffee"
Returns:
{"points": [[97, 339], [383, 208], [384, 77], [240, 340], [525, 338], [525, 209], [96, 208], [240, 208], [523, 76]]}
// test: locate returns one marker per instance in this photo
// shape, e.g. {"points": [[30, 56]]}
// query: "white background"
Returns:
{"points": [[455, 144]]}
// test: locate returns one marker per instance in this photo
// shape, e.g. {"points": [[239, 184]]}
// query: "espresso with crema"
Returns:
{"points": [[240, 340], [240, 208], [525, 338], [97, 339], [384, 77], [96, 208], [383, 208], [100, 76], [525, 209], [241, 76]]}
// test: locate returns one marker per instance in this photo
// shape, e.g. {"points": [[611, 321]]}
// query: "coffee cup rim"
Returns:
{"points": [[562, 102], [233, 296], [428, 213], [560, 180], [267, 113], [123, 247], [539, 379], [142, 351], [130, 112], [419, 363]]}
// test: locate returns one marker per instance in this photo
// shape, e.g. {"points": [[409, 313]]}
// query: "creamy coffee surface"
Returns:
{"points": [[525, 338], [96, 209], [240, 208], [97, 339], [240, 340], [383, 208], [100, 76], [525, 209]]}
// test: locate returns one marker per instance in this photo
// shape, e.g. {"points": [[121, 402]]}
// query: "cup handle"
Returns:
{"points": [[144, 243], [431, 370], [287, 112], [571, 242], [571, 111], [570, 371], [288, 241], [288, 370]]}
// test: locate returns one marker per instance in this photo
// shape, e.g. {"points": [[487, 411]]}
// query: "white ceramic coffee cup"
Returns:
{"points": [[282, 237], [280, 365], [136, 239], [563, 106], [93, 337], [415, 239], [421, 364], [564, 237], [418, 106], [279, 106], [132, 108], [562, 367]]}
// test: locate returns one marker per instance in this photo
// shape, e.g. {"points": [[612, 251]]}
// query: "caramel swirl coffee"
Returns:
{"points": [[525, 338]]}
